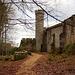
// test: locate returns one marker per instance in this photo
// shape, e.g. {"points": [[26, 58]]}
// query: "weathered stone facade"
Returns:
{"points": [[53, 36], [28, 44], [70, 29], [20, 55], [39, 28], [56, 36], [0, 33]]}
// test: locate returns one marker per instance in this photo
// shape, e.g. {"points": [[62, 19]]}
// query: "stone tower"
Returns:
{"points": [[39, 29]]}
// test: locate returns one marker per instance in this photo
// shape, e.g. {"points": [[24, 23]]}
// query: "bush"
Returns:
{"points": [[4, 59], [51, 58], [20, 49], [11, 52], [12, 58], [52, 51], [65, 48], [64, 56], [69, 49], [55, 51]]}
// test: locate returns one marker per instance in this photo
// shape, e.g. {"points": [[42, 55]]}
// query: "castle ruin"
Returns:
{"points": [[56, 36]]}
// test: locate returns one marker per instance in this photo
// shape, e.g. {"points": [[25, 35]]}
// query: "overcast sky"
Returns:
{"points": [[62, 10]]}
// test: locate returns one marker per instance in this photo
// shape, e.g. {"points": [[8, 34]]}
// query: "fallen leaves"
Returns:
{"points": [[52, 68]]}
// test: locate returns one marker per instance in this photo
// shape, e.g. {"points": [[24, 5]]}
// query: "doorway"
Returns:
{"points": [[42, 48]]}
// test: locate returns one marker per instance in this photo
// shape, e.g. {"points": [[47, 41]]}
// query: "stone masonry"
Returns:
{"points": [[56, 36], [39, 28]]}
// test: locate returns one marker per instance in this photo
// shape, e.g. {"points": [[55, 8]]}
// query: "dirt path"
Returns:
{"points": [[27, 65]]}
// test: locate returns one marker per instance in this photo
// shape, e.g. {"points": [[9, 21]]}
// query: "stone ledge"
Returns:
{"points": [[20, 55]]}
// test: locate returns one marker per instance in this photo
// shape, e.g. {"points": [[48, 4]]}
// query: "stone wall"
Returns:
{"points": [[39, 29], [70, 30], [53, 37], [44, 45], [61, 34], [0, 33], [20, 55], [28, 44], [56, 36]]}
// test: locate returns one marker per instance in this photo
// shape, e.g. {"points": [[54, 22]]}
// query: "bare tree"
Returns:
{"points": [[4, 10], [27, 8], [24, 6]]}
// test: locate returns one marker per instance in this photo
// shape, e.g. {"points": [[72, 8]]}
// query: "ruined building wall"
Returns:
{"points": [[39, 29], [0, 34], [44, 49], [70, 36], [61, 34], [53, 37], [70, 30], [56, 36], [28, 44]]}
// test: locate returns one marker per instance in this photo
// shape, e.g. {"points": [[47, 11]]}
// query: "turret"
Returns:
{"points": [[39, 29]]}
